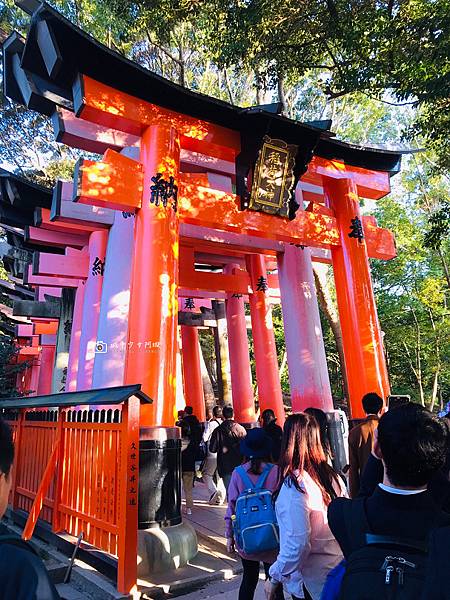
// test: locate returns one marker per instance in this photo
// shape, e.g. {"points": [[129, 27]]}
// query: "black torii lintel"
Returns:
{"points": [[43, 310], [23, 193]]}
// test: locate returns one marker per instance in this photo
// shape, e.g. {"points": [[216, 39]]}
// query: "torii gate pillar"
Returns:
{"points": [[241, 381], [269, 386], [91, 308], [363, 349], [308, 372], [35, 374], [75, 336], [193, 384], [45, 375], [154, 288]]}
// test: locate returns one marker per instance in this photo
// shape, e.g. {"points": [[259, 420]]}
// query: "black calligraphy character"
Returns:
{"points": [[132, 502], [98, 268], [67, 327], [261, 285], [133, 456], [237, 296], [356, 229], [162, 191], [189, 303], [133, 446], [172, 192], [158, 190], [133, 468], [132, 490], [126, 214]]}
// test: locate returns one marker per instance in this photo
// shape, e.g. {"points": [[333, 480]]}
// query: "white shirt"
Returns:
{"points": [[210, 426], [392, 490], [308, 550]]}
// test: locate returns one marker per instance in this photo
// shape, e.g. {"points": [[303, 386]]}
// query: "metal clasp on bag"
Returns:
{"points": [[400, 562]]}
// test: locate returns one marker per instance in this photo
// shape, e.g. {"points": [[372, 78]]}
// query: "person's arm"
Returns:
{"points": [[436, 582], [353, 474], [295, 542], [210, 427], [232, 495], [337, 524], [241, 431], [207, 431], [214, 441], [371, 476]]}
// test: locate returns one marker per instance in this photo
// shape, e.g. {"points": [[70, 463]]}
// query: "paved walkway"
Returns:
{"points": [[208, 521], [213, 573]]}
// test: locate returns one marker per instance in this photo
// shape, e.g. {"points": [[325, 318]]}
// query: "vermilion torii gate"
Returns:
{"points": [[183, 202]]}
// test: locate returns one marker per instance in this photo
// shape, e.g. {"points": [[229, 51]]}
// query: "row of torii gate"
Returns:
{"points": [[175, 210]]}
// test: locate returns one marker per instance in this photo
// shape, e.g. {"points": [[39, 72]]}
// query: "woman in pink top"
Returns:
{"points": [[308, 550], [257, 448]]}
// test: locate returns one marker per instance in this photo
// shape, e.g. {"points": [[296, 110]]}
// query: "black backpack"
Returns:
{"points": [[380, 567]]}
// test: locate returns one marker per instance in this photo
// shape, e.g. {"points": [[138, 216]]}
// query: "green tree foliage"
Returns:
{"points": [[9, 368], [402, 46]]}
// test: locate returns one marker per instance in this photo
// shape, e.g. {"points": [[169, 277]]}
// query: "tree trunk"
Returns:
{"points": [[445, 267], [258, 88], [419, 359], [281, 95], [222, 352], [329, 309], [208, 390], [182, 76], [228, 87], [435, 390], [283, 364]]}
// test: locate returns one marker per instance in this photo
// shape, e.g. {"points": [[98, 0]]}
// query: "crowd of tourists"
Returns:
{"points": [[379, 528]]}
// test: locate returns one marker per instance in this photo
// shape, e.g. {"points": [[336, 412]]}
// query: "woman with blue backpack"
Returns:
{"points": [[251, 526], [307, 484]]}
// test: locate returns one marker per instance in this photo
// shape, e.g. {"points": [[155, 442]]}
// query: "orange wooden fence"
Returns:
{"points": [[79, 471]]}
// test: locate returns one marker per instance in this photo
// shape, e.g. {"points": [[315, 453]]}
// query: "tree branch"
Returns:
{"points": [[163, 50]]}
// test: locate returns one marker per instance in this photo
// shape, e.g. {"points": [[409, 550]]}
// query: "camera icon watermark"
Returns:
{"points": [[101, 347]]}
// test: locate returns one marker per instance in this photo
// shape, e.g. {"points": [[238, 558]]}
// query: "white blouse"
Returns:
{"points": [[308, 550]]}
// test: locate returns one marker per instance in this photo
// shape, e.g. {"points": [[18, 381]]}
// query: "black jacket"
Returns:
{"points": [[436, 584], [188, 456], [195, 428], [225, 440], [275, 433], [22, 573], [412, 516], [439, 486]]}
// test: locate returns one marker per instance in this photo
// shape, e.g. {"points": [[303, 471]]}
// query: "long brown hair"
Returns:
{"points": [[302, 451]]}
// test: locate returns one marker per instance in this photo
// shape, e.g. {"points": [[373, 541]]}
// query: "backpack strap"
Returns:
{"points": [[245, 478], [407, 543], [262, 478]]}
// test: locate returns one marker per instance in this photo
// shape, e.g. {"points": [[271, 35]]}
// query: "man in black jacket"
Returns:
{"points": [[225, 440], [274, 431], [412, 445], [22, 572]]}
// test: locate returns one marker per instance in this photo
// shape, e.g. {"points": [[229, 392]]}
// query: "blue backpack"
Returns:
{"points": [[255, 524]]}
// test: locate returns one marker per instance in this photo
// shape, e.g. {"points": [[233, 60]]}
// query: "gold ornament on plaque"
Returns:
{"points": [[273, 178]]}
